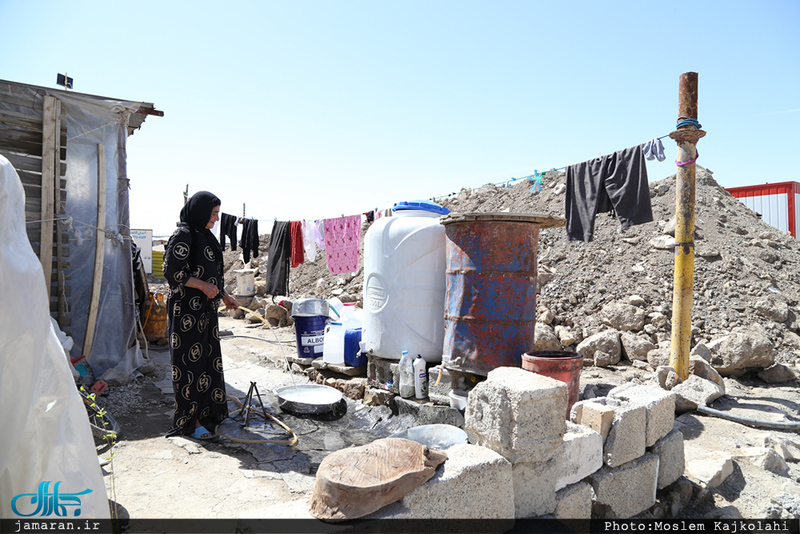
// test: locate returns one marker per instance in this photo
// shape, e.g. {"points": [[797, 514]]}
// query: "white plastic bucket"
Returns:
{"points": [[245, 282], [404, 283]]}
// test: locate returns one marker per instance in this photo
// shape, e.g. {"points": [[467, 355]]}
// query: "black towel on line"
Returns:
{"points": [[249, 239], [278, 258], [617, 181], [227, 228]]}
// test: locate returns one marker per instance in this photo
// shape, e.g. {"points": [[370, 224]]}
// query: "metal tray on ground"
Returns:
{"points": [[308, 398]]}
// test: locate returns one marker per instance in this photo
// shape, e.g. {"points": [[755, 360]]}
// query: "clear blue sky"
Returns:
{"points": [[316, 109]]}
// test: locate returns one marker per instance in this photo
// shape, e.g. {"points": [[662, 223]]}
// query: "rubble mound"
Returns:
{"points": [[746, 282]]}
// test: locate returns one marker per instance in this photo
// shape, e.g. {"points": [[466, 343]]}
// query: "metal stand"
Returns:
{"points": [[246, 404]]}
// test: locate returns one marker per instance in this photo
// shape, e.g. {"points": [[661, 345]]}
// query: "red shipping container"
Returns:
{"points": [[778, 204]]}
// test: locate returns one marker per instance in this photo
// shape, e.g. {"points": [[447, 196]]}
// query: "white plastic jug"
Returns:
{"points": [[404, 282], [333, 344]]}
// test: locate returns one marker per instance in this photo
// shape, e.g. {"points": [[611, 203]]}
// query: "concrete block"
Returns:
{"points": [[574, 502], [534, 488], [671, 459], [473, 483], [518, 414], [596, 416], [660, 406], [427, 413], [626, 437], [579, 455], [624, 491]]}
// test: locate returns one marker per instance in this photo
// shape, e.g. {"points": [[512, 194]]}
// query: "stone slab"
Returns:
{"points": [[319, 363], [427, 413]]}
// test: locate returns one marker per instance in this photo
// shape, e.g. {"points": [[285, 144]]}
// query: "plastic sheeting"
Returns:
{"points": [[90, 120], [115, 353], [46, 433]]}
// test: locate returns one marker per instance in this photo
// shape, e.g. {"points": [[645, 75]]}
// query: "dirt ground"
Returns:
{"points": [[151, 476], [742, 263]]}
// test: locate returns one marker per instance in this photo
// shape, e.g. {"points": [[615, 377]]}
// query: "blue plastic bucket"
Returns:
{"points": [[351, 349], [309, 333]]}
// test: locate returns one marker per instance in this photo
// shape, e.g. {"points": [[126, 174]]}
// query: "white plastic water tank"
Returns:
{"points": [[404, 283]]}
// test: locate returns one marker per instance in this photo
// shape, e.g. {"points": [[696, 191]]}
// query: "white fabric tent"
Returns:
{"points": [[45, 429]]}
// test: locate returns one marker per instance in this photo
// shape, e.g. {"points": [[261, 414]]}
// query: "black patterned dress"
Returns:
{"points": [[197, 376]]}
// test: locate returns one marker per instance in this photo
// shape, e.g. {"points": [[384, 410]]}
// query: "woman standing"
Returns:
{"points": [[194, 268]]}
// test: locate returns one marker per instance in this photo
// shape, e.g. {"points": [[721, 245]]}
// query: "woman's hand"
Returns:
{"points": [[230, 302], [210, 290]]}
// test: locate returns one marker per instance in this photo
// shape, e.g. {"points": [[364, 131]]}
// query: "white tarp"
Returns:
{"points": [[45, 430], [115, 353]]}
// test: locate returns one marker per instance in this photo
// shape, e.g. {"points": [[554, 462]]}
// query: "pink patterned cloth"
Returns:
{"points": [[342, 243]]}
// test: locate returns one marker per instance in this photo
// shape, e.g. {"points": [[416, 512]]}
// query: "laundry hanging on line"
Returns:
{"points": [[278, 256], [617, 181], [342, 243], [296, 243], [227, 228], [309, 244], [654, 149], [249, 239]]}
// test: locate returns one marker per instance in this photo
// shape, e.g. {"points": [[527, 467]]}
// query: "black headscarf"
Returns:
{"points": [[197, 212]]}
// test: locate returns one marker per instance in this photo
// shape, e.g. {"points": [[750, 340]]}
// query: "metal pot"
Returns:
{"points": [[308, 398]]}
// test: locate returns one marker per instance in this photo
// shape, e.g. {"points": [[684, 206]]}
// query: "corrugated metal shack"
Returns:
{"points": [[69, 151], [778, 204]]}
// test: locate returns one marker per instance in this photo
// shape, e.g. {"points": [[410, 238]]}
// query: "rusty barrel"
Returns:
{"points": [[490, 290]]}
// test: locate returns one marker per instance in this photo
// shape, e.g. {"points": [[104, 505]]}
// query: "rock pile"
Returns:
{"points": [[611, 299]]}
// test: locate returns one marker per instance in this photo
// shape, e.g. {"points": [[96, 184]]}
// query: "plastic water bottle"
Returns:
{"points": [[420, 378], [333, 344], [406, 375]]}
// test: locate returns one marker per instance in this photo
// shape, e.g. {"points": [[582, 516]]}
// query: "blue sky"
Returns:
{"points": [[316, 109]]}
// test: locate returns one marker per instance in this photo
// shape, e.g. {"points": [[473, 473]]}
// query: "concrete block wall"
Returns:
{"points": [[529, 461]]}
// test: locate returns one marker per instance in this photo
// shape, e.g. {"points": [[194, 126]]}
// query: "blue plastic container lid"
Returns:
{"points": [[422, 205]]}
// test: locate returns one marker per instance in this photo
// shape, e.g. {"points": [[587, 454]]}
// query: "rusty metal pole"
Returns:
{"points": [[686, 135]]}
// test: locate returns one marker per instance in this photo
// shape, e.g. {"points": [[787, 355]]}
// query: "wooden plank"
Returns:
{"points": [[61, 315], [35, 191], [29, 121], [99, 252], [11, 143], [34, 181], [31, 165], [48, 186], [23, 135]]}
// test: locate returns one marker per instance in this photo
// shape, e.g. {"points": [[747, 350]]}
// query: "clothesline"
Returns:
{"points": [[532, 177]]}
